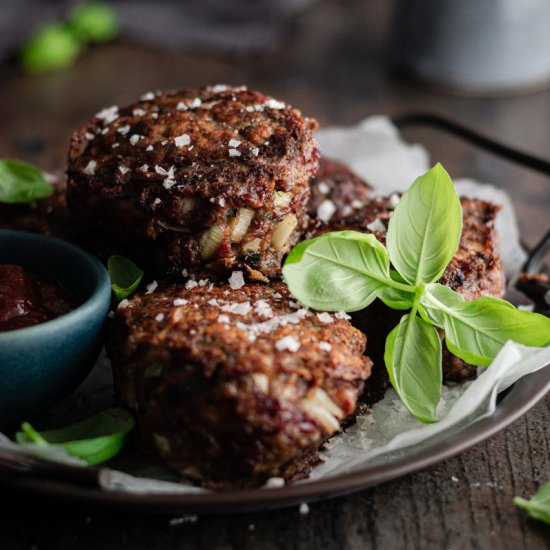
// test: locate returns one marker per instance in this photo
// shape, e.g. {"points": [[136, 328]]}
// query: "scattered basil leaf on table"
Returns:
{"points": [[53, 48], [22, 183], [94, 440], [93, 22], [347, 271], [125, 276], [538, 507]]}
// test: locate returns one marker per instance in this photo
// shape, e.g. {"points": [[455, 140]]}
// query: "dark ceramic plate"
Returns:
{"points": [[80, 485]]}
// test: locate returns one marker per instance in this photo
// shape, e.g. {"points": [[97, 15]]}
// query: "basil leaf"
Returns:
{"points": [[125, 276], [424, 231], [413, 361], [53, 48], [339, 271], [395, 298], [21, 182], [95, 440], [94, 22], [430, 310], [539, 506], [475, 331]]}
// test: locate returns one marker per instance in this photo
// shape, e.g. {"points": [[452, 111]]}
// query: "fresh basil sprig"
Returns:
{"points": [[539, 505], [94, 440], [125, 276], [347, 270], [22, 183]]}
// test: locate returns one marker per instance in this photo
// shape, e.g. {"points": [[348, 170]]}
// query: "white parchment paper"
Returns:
{"points": [[374, 149]]}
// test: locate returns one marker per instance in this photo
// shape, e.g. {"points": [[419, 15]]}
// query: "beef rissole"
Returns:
{"points": [[475, 270], [233, 386], [213, 176], [336, 192]]}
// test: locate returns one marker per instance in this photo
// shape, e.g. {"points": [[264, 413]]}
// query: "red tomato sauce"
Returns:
{"points": [[27, 299]]}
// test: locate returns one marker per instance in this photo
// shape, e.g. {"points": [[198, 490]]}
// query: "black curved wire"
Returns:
{"points": [[536, 255], [474, 137]]}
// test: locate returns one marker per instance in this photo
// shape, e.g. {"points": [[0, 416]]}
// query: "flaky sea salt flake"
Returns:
{"points": [[326, 210], [90, 168], [108, 114], [151, 287], [325, 317], [274, 104], [236, 280], [123, 130], [342, 315], [239, 308], [182, 141], [323, 187], [289, 343], [217, 88], [377, 225]]}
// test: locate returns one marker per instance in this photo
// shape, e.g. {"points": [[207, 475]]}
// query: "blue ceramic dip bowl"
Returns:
{"points": [[42, 364]]}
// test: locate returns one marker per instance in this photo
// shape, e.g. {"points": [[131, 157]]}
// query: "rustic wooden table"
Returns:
{"points": [[333, 65]]}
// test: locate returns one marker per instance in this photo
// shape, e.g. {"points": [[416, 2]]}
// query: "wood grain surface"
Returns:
{"points": [[334, 65]]}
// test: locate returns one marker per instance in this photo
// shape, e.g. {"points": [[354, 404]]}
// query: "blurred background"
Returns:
{"points": [[485, 63]]}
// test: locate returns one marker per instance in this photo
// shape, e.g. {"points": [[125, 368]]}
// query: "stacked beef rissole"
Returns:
{"points": [[212, 176], [230, 380]]}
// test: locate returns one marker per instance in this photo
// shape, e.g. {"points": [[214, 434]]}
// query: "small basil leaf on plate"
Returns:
{"points": [[52, 48], [413, 361], [22, 183], [339, 271], [125, 276], [475, 331], [538, 507], [94, 22], [94, 440], [424, 231]]}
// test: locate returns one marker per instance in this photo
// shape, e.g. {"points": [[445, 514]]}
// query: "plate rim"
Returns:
{"points": [[519, 399]]}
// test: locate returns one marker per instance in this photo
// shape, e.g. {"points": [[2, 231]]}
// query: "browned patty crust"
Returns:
{"points": [[234, 386], [335, 192], [213, 175]]}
